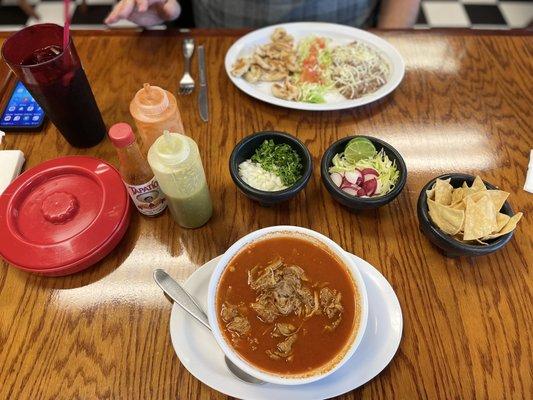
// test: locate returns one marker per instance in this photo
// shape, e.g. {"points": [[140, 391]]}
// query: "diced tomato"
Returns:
{"points": [[310, 62], [321, 42], [310, 75], [311, 68]]}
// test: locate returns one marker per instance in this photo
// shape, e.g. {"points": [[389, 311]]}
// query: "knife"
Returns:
{"points": [[203, 102], [180, 296]]}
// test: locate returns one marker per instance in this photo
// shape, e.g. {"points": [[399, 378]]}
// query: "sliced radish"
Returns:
{"points": [[370, 171], [350, 191], [361, 192], [345, 183], [368, 177], [355, 177], [370, 186], [336, 178], [378, 188]]}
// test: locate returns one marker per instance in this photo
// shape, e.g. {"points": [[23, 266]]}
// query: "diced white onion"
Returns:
{"points": [[257, 177]]}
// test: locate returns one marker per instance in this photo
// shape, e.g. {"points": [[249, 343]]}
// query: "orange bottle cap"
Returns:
{"points": [[151, 100]]}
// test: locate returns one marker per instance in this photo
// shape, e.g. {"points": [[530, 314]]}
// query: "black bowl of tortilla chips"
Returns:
{"points": [[465, 216]]}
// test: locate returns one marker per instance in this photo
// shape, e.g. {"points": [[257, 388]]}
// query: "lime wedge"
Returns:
{"points": [[359, 148]]}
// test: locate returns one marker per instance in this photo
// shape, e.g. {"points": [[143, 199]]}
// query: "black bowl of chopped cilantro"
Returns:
{"points": [[270, 167]]}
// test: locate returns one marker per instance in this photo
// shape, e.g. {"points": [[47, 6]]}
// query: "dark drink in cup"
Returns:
{"points": [[56, 79]]}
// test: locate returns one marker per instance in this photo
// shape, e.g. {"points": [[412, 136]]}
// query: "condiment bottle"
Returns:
{"points": [[177, 165], [154, 110], [139, 179]]}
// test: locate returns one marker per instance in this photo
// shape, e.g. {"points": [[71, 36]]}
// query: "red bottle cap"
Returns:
{"points": [[63, 215], [121, 135]]}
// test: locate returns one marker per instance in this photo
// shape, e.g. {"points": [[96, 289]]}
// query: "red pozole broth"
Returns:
{"points": [[288, 306]]}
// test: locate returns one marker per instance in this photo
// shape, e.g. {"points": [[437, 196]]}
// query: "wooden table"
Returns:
{"points": [[464, 105]]}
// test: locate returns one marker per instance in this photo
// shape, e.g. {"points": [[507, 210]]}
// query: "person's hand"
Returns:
{"points": [[144, 12]]}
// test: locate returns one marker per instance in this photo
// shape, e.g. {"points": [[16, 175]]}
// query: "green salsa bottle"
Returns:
{"points": [[177, 165]]}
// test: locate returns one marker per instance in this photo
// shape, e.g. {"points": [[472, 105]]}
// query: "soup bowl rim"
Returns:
{"points": [[249, 368]]}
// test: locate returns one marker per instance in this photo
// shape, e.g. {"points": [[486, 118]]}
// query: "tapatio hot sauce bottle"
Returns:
{"points": [[155, 110], [136, 173]]}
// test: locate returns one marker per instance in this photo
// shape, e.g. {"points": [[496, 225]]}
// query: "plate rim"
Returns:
{"points": [[372, 271], [397, 61]]}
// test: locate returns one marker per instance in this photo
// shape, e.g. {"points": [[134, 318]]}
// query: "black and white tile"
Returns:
{"points": [[477, 14]]}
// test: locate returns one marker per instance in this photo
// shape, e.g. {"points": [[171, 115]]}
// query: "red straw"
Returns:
{"points": [[66, 27]]}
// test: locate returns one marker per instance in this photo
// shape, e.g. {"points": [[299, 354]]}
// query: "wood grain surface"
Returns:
{"points": [[464, 105]]}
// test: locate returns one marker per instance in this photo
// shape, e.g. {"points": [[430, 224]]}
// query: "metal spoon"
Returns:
{"points": [[189, 304]]}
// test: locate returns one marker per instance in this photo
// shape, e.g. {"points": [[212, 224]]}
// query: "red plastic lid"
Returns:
{"points": [[63, 215], [94, 257]]}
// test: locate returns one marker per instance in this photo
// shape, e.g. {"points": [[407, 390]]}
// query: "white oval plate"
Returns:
{"points": [[340, 35], [198, 351]]}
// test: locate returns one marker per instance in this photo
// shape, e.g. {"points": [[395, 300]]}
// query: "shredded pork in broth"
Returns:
{"points": [[285, 307], [283, 290]]}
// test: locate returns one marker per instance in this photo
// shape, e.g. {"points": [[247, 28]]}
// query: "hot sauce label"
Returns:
{"points": [[148, 198]]}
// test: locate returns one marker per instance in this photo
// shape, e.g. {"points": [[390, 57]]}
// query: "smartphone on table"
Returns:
{"points": [[22, 112]]}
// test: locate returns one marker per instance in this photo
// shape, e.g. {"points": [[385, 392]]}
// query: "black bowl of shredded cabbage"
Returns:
{"points": [[362, 203], [278, 153]]}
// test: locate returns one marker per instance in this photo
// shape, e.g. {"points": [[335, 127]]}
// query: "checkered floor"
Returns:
{"points": [[481, 14]]}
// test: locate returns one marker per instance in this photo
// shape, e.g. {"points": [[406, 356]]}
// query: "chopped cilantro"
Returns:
{"points": [[280, 159]]}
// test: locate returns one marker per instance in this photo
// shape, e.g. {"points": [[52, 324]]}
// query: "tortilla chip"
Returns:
{"points": [[466, 191], [469, 214], [480, 218], [443, 192], [497, 197], [501, 221], [462, 229], [459, 206], [477, 185], [457, 195], [509, 227], [446, 218]]}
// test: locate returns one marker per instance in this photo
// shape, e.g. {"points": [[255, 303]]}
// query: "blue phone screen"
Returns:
{"points": [[22, 110]]}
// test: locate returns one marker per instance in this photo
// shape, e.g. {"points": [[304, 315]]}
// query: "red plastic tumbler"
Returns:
{"points": [[56, 79]]}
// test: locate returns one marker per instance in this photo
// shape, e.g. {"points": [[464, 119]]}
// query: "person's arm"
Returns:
{"points": [[398, 13], [28, 9], [144, 12]]}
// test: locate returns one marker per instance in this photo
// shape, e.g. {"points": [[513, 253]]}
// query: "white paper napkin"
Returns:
{"points": [[528, 186], [11, 162]]}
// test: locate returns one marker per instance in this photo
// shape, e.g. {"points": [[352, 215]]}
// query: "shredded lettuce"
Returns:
{"points": [[312, 92], [388, 172], [324, 58], [304, 47], [340, 164]]}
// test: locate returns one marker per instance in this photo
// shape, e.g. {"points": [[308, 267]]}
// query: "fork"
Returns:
{"points": [[186, 82]]}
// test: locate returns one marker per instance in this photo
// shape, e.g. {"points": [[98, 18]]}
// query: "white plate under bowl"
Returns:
{"points": [[340, 35], [198, 351]]}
